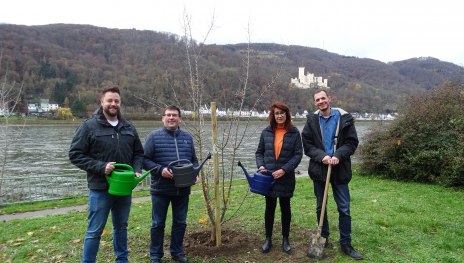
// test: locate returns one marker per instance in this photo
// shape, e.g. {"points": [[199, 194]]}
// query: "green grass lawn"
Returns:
{"points": [[392, 222]]}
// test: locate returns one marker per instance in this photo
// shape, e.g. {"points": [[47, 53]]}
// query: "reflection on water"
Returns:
{"points": [[42, 150]]}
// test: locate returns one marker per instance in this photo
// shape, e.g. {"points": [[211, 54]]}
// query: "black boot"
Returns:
{"points": [[350, 251], [267, 245], [286, 245]]}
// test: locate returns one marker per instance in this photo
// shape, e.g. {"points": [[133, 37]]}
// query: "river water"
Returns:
{"points": [[41, 151]]}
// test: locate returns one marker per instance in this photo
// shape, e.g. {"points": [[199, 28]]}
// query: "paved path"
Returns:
{"points": [[57, 210]]}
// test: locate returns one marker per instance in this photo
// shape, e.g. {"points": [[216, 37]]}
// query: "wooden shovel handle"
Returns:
{"points": [[324, 199]]}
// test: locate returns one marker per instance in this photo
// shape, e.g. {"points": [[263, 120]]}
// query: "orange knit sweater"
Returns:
{"points": [[278, 141]]}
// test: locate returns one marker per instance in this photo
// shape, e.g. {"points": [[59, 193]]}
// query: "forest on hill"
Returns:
{"points": [[69, 65]]}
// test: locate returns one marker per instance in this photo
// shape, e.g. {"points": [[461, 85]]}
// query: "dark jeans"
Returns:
{"points": [[285, 211], [99, 206], [160, 204], [342, 199]]}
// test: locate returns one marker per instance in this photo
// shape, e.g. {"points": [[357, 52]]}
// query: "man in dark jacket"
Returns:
{"points": [[319, 137], [162, 147], [100, 142]]}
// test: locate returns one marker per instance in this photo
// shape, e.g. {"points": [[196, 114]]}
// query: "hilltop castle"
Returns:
{"points": [[308, 81]]}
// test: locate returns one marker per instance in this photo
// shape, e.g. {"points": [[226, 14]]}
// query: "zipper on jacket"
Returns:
{"points": [[177, 148]]}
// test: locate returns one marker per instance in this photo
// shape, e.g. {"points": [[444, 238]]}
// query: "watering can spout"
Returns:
{"points": [[139, 179], [198, 168], [244, 170]]}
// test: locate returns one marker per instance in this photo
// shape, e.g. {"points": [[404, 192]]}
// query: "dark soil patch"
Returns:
{"points": [[240, 246], [199, 244]]}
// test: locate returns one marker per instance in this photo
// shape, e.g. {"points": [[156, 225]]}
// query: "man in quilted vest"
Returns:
{"points": [[163, 146]]}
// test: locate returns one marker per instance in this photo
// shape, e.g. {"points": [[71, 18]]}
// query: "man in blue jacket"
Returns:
{"points": [[318, 138], [163, 146], [99, 142]]}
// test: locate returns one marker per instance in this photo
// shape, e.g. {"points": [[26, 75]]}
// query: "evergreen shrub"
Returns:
{"points": [[424, 144]]}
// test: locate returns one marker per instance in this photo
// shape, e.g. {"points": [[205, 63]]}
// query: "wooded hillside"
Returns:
{"points": [[69, 64]]}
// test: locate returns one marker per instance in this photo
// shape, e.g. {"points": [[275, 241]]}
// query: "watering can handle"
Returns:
{"points": [[178, 161], [123, 166]]}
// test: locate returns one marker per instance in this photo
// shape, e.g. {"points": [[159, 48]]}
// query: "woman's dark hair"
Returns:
{"points": [[281, 106]]}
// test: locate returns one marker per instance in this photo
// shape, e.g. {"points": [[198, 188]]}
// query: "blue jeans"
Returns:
{"points": [[99, 206], [342, 199], [160, 204]]}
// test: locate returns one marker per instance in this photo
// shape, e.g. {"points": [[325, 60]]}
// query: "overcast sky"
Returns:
{"points": [[383, 30]]}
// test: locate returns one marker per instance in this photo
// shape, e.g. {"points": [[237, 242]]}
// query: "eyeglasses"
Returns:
{"points": [[277, 113], [171, 115]]}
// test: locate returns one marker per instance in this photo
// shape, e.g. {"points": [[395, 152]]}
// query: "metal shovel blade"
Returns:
{"points": [[316, 248]]}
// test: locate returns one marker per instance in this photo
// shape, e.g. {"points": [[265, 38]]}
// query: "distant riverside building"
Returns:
{"points": [[308, 81], [43, 107], [46, 106]]}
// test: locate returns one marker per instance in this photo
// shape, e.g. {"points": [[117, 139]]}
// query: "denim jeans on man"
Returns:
{"points": [[342, 199], [99, 206], [160, 204]]}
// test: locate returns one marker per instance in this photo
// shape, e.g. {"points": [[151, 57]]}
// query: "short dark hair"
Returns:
{"points": [[286, 109], [172, 107], [321, 90], [112, 89]]}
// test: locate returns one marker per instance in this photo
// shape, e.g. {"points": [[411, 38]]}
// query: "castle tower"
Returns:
{"points": [[301, 74]]}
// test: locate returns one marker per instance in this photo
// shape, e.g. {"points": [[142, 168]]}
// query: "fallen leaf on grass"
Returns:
{"points": [[105, 231], [30, 233], [76, 241]]}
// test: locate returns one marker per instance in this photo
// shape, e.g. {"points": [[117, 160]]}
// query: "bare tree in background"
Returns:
{"points": [[10, 92]]}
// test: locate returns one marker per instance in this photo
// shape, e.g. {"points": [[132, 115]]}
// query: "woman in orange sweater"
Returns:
{"points": [[279, 151]]}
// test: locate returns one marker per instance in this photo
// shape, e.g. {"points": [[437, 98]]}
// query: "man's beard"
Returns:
{"points": [[109, 113]]}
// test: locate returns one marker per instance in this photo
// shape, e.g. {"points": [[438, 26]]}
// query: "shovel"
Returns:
{"points": [[316, 248]]}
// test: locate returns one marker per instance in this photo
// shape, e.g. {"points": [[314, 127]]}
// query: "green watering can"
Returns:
{"points": [[122, 179]]}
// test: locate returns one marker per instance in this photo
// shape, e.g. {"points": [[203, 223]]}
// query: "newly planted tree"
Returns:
{"points": [[231, 134]]}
